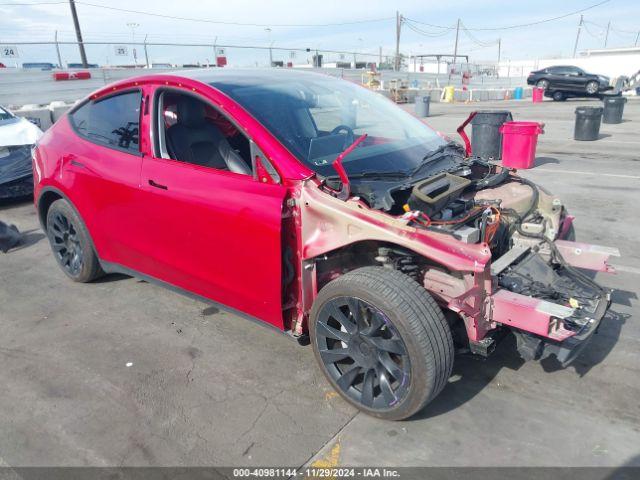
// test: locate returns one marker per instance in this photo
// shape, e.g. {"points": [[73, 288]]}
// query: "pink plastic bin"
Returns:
{"points": [[537, 95], [519, 141]]}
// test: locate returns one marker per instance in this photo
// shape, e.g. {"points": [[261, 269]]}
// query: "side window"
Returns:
{"points": [[113, 122], [192, 131]]}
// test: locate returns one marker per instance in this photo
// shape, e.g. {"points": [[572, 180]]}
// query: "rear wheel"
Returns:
{"points": [[543, 84], [70, 242], [592, 88], [381, 341]]}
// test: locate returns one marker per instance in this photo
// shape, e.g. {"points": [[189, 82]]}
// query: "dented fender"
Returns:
{"points": [[329, 223]]}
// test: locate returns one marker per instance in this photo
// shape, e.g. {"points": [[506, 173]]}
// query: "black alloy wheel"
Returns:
{"points": [[559, 96], [69, 239], [65, 243], [381, 341], [362, 352]]}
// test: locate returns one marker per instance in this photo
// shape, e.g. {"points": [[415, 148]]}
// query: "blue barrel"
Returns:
{"points": [[517, 93]]}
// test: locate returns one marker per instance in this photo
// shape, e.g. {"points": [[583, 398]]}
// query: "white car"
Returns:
{"points": [[17, 137]]}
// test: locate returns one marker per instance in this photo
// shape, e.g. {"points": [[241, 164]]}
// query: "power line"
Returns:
{"points": [[23, 4], [425, 33], [522, 25], [220, 22], [474, 39]]}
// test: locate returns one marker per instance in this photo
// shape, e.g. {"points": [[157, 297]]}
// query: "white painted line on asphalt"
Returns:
{"points": [[575, 172], [618, 141], [624, 268]]}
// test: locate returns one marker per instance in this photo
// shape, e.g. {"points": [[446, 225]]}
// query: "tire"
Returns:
{"points": [[543, 84], [592, 87], [71, 243], [398, 320], [559, 97]]}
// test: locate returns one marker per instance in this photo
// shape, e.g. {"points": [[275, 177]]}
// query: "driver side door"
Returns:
{"points": [[210, 231]]}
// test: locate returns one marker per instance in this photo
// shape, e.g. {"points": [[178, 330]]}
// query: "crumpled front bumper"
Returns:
{"points": [[543, 327], [569, 349], [533, 346]]}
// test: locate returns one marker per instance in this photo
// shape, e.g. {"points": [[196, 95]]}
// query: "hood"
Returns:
{"points": [[18, 131]]}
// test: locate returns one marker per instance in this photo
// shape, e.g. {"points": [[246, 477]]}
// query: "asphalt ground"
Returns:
{"points": [[123, 372]]}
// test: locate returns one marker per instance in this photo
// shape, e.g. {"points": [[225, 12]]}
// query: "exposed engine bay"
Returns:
{"points": [[477, 202]]}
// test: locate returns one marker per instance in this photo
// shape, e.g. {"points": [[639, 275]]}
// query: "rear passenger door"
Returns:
{"points": [[103, 172]]}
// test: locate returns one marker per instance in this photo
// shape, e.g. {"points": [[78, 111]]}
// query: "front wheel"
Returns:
{"points": [[558, 96], [543, 84], [381, 341], [592, 88]]}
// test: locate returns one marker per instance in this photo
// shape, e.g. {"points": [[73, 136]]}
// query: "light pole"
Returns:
{"points": [[268, 30], [133, 26], [76, 25]]}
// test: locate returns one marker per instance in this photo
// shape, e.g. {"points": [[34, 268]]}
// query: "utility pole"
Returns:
{"points": [[76, 24], [499, 55], [380, 55], [146, 53], [397, 62], [58, 50], [455, 49], [637, 37], [575, 47], [606, 36], [268, 30]]}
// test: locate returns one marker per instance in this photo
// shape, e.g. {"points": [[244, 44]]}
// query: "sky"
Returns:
{"points": [[551, 39]]}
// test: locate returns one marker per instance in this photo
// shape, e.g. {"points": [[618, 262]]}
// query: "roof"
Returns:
{"points": [[245, 76]]}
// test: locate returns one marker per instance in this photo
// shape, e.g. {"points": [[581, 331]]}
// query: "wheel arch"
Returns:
{"points": [[370, 253], [47, 196]]}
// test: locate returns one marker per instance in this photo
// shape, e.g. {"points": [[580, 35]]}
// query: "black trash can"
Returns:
{"points": [[486, 139], [613, 108], [587, 123], [422, 105]]}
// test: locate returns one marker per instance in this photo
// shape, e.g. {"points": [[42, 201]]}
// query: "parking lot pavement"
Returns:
{"points": [[208, 388]]}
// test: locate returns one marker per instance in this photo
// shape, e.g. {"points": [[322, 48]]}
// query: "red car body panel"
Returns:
{"points": [[223, 236]]}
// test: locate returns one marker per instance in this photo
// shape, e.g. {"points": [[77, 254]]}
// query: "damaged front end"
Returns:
{"points": [[491, 247]]}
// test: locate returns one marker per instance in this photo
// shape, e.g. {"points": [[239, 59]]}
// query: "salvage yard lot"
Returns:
{"points": [[204, 387]]}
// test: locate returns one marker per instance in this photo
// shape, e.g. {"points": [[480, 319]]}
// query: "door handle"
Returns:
{"points": [[157, 185]]}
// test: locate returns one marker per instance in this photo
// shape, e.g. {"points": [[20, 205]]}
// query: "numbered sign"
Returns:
{"points": [[121, 51], [9, 51]]}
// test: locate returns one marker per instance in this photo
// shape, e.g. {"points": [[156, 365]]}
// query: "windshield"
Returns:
{"points": [[4, 114], [317, 117]]}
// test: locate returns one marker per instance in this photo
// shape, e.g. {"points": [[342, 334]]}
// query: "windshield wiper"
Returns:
{"points": [[438, 152], [371, 174]]}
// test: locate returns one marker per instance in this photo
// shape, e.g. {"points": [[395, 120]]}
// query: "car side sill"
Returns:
{"points": [[111, 267]]}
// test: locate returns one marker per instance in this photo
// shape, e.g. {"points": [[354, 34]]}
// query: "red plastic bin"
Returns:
{"points": [[537, 95], [519, 140]]}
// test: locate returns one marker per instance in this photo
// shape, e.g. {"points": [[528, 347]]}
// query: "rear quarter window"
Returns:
{"points": [[113, 121]]}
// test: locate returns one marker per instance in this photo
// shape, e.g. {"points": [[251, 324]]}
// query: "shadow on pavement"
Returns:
{"points": [[28, 238], [544, 160], [470, 376]]}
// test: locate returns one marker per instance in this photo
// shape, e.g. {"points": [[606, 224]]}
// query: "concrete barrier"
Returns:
{"points": [[461, 95], [58, 109], [40, 116]]}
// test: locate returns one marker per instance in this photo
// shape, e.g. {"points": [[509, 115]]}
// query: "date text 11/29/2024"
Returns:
{"points": [[316, 472]]}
